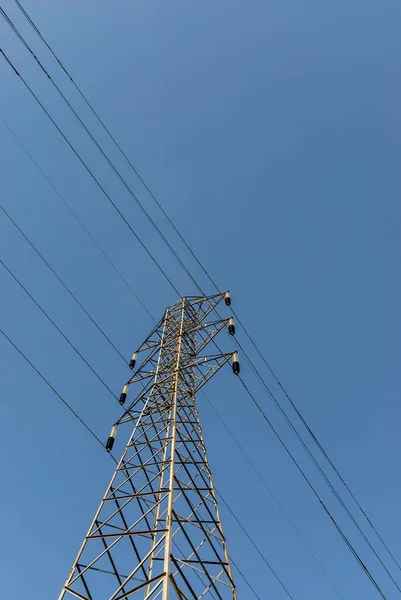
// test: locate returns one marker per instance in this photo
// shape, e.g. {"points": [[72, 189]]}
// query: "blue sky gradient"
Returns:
{"points": [[270, 132]]}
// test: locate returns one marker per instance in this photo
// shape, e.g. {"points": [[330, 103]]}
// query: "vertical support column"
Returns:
{"points": [[169, 516]]}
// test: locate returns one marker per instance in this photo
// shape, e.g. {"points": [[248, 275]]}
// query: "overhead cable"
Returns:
{"points": [[62, 282], [176, 256], [113, 139], [57, 328], [254, 545], [313, 489], [79, 221], [98, 146], [81, 160], [53, 389], [310, 455], [244, 578], [273, 496], [310, 432], [316, 442], [8, 60], [320, 470]]}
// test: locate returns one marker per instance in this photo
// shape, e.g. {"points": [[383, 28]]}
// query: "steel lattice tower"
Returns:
{"points": [[157, 532]]}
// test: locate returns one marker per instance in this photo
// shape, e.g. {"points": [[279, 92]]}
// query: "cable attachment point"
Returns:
{"points": [[124, 393], [132, 361], [236, 368], [111, 438]]}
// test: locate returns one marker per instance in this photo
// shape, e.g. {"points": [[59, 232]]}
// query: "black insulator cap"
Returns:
{"points": [[227, 299], [236, 367], [231, 329], [109, 444], [123, 397], [132, 361]]}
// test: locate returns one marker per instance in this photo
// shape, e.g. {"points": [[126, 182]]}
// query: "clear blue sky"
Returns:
{"points": [[270, 132]]}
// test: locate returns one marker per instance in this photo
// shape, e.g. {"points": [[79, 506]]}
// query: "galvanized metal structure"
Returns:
{"points": [[157, 532]]}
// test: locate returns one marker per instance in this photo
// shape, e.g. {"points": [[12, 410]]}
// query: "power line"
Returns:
{"points": [[250, 462], [311, 456], [90, 173], [319, 468], [244, 578], [115, 170], [53, 389], [316, 441], [179, 260], [331, 487], [118, 174], [61, 281], [57, 328], [313, 437], [79, 221], [8, 20], [254, 545], [327, 481], [348, 543], [118, 146], [124, 219]]}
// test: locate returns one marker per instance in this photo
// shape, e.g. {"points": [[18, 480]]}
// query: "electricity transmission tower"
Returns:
{"points": [[157, 532]]}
